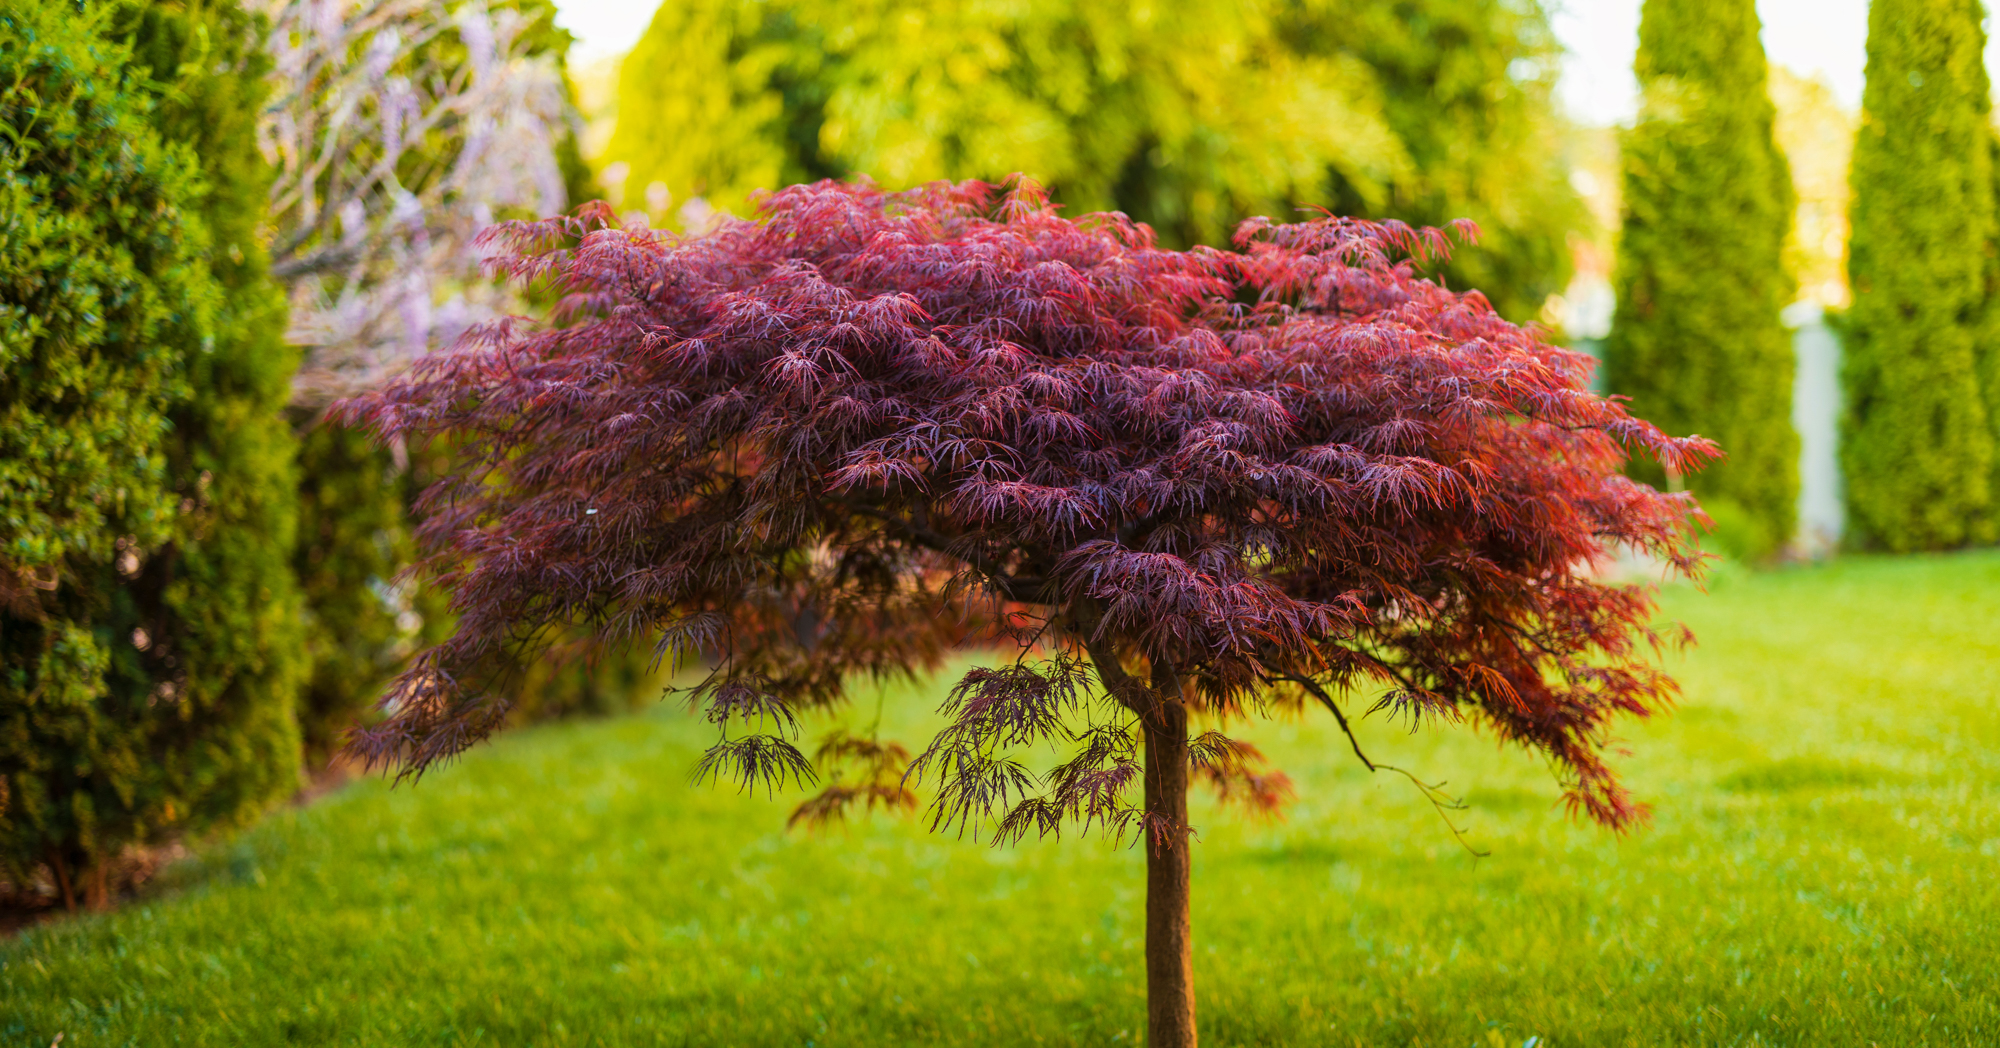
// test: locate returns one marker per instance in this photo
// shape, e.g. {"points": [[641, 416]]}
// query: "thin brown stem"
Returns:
{"points": [[1170, 1011], [61, 870]]}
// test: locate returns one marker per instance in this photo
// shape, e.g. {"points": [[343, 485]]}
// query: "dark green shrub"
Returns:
{"points": [[1915, 443], [149, 692], [1697, 342], [102, 286], [353, 539]]}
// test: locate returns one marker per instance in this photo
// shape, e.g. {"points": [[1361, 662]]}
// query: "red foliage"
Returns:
{"points": [[870, 427]]}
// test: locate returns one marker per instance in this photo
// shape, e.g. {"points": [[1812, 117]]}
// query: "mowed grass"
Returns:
{"points": [[1824, 869]]}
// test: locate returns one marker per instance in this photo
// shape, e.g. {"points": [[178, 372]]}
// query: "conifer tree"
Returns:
{"points": [[1916, 443], [150, 673], [1697, 342], [227, 599], [101, 283]]}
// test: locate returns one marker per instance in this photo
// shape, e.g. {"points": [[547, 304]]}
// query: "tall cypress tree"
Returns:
{"points": [[1986, 344], [1916, 443], [1697, 343], [101, 283], [223, 600], [146, 678]]}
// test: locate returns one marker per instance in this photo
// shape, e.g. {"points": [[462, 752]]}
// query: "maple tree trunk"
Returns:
{"points": [[1169, 868]]}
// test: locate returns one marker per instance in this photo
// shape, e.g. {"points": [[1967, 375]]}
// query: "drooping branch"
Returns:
{"points": [[1441, 802], [1031, 589], [1312, 688]]}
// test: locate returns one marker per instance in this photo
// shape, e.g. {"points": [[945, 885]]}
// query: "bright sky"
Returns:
{"points": [[1826, 37], [603, 27]]}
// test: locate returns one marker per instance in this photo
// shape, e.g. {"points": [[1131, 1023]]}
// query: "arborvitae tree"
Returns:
{"points": [[102, 286], [1986, 347], [100, 281], [150, 672], [1186, 118], [1916, 442], [1697, 342], [222, 600]]}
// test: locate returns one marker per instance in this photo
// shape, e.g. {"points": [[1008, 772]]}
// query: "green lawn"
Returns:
{"points": [[1824, 870]]}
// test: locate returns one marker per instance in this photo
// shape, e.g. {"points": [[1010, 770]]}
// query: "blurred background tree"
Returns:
{"points": [[153, 660], [1698, 343], [1468, 88], [1917, 446], [399, 130], [1187, 117]]}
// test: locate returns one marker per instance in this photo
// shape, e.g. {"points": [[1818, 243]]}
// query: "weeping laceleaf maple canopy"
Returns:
{"points": [[868, 427]]}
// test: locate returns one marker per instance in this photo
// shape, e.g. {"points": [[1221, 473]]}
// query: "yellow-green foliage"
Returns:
{"points": [[1916, 441], [1187, 116], [1697, 342], [1467, 87], [150, 690]]}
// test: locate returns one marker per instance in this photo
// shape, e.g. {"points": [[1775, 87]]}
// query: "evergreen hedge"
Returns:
{"points": [[1916, 442], [354, 538], [149, 674], [1697, 342]]}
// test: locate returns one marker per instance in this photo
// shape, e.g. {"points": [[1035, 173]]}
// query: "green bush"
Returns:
{"points": [[353, 539], [1697, 342], [149, 677], [1189, 117], [1916, 441]]}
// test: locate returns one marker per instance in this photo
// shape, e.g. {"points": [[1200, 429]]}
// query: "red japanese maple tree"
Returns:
{"points": [[867, 428]]}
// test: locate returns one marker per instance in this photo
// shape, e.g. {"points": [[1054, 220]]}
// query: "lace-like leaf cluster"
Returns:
{"points": [[839, 441]]}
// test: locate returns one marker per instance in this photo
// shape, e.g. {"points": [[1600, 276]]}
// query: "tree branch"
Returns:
{"points": [[1026, 589], [1441, 802], [1119, 684], [1326, 700]]}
